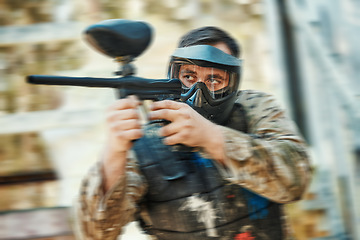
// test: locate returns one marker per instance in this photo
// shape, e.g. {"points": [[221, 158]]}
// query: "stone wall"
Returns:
{"points": [[22, 55]]}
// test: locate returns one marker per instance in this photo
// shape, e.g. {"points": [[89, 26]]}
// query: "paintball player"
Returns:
{"points": [[247, 158]]}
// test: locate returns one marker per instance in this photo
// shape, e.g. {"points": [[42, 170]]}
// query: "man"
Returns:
{"points": [[246, 157]]}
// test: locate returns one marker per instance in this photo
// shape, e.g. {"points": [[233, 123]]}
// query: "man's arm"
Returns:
{"points": [[271, 159], [112, 188]]}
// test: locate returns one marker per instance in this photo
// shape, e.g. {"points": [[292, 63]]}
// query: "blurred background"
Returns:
{"points": [[305, 52]]}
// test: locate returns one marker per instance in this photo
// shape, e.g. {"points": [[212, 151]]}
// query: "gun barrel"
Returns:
{"points": [[127, 82], [70, 81]]}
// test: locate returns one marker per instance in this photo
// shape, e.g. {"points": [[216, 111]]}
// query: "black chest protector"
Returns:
{"points": [[188, 199]]}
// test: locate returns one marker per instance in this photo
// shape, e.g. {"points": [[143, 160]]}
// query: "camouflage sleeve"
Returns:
{"points": [[271, 159], [102, 216]]}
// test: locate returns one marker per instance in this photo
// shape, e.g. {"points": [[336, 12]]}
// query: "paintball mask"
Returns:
{"points": [[210, 80]]}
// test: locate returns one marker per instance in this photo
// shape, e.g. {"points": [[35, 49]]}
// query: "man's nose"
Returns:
{"points": [[201, 79]]}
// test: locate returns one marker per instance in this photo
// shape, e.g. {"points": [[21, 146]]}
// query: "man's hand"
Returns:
{"points": [[188, 127], [123, 126]]}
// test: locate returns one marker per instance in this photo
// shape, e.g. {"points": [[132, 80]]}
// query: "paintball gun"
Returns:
{"points": [[122, 40]]}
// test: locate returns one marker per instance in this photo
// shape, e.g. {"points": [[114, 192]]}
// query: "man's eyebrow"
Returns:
{"points": [[187, 71], [216, 75]]}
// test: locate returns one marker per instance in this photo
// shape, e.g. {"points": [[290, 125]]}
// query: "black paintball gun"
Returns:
{"points": [[122, 40]]}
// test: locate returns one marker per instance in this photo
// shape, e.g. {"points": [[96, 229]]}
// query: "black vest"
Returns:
{"points": [[187, 198]]}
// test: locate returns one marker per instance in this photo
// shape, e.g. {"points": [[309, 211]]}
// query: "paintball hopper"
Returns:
{"points": [[119, 38]]}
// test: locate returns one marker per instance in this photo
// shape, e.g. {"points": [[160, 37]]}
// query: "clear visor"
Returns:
{"points": [[219, 82]]}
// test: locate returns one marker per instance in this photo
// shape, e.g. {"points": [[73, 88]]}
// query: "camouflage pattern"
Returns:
{"points": [[270, 160]]}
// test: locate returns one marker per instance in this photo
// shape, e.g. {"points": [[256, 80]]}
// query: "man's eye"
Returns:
{"points": [[215, 80], [189, 78]]}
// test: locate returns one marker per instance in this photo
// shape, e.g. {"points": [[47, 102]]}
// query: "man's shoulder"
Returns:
{"points": [[250, 96], [256, 102]]}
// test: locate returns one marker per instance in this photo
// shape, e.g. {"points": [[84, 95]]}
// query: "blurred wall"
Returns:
{"points": [[317, 55]]}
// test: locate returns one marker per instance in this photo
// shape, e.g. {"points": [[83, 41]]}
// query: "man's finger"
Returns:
{"points": [[122, 115], [125, 125], [166, 104], [177, 138], [126, 103], [131, 134], [167, 114], [170, 129]]}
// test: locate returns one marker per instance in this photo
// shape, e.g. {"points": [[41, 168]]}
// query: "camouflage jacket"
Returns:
{"points": [[270, 160]]}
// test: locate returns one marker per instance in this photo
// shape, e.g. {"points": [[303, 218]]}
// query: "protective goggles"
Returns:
{"points": [[219, 82], [220, 72]]}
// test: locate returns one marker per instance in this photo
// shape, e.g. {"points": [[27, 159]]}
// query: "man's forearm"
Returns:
{"points": [[278, 169], [215, 146], [113, 167]]}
